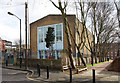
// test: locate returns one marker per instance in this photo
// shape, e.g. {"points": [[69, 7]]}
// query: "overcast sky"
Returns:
{"points": [[10, 26]]}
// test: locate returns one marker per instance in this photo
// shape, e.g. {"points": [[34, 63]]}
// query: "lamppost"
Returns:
{"points": [[20, 36]]}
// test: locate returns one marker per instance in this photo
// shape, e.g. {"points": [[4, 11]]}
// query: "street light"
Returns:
{"points": [[20, 36]]}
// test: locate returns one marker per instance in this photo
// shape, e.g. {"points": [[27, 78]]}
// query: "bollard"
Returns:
{"points": [[20, 62], [108, 59], [47, 72], [6, 62], [38, 69], [70, 74], [93, 75]]}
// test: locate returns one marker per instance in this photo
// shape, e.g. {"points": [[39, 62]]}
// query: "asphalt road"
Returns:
{"points": [[15, 76]]}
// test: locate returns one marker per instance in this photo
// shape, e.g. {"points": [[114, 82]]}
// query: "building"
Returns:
{"points": [[5, 49], [38, 31], [7, 44], [113, 50], [2, 47]]}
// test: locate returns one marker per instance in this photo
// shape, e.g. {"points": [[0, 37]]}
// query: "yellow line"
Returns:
{"points": [[31, 78]]}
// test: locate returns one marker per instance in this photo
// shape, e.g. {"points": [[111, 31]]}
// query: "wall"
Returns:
{"points": [[53, 64], [49, 20], [115, 65], [79, 26]]}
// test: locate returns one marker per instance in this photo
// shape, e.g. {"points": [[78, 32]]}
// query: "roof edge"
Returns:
{"points": [[52, 15]]}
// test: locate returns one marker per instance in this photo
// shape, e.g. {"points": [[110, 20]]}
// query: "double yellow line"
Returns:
{"points": [[32, 78]]}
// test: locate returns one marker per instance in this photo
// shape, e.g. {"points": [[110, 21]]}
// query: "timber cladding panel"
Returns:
{"points": [[49, 20]]}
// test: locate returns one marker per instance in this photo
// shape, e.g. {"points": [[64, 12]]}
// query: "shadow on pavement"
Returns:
{"points": [[59, 82]]}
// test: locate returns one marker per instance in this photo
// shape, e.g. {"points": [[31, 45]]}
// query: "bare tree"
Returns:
{"points": [[103, 26], [17, 43], [117, 5], [64, 16], [79, 45], [84, 8]]}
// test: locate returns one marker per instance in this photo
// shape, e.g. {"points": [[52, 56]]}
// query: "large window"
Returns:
{"points": [[41, 54], [58, 54], [42, 31], [58, 33], [45, 32], [46, 54], [41, 35]]}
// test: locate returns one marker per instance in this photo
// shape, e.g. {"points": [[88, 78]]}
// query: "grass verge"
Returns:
{"points": [[90, 65]]}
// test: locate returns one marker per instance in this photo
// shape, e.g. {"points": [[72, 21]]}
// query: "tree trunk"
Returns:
{"points": [[99, 59], [95, 59], [81, 57], [106, 58], [71, 58], [78, 60], [68, 40]]}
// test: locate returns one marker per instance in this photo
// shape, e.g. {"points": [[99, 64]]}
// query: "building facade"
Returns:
{"points": [[2, 46], [5, 49], [113, 51], [38, 30]]}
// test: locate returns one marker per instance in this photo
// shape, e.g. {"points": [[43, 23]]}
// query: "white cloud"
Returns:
{"points": [[8, 32], [9, 25]]}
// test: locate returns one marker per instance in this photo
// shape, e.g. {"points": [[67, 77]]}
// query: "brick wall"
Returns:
{"points": [[53, 64], [115, 65], [49, 20]]}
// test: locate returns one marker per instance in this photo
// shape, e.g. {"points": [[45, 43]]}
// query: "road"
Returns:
{"points": [[15, 76]]}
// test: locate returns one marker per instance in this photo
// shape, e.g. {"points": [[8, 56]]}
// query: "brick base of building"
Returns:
{"points": [[115, 65]]}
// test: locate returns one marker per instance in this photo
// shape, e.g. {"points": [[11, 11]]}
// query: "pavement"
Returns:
{"points": [[101, 75], [12, 75]]}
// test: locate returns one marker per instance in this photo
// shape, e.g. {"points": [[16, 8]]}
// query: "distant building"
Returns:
{"points": [[38, 31], [7, 44], [113, 50], [23, 47], [2, 46], [5, 49]]}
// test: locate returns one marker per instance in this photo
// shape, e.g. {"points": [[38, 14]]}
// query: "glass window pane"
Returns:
{"points": [[58, 55], [54, 31], [41, 35], [56, 27], [58, 33], [41, 54], [45, 31], [41, 32], [59, 28], [59, 38], [40, 40]]}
